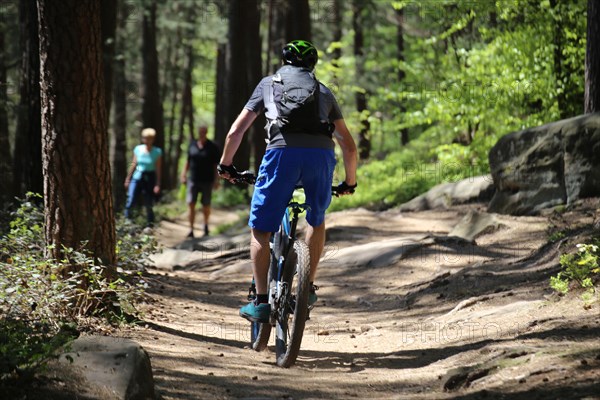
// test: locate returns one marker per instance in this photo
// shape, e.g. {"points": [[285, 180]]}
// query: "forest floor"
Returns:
{"points": [[440, 319]]}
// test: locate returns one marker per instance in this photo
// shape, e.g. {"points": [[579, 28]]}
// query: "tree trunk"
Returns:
{"points": [[276, 34], [188, 92], [220, 94], [298, 20], [254, 71], [592, 59], [152, 109], [5, 157], [27, 169], [401, 74], [77, 186], [174, 87], [559, 73], [119, 141], [109, 30], [364, 142], [237, 85], [337, 36]]}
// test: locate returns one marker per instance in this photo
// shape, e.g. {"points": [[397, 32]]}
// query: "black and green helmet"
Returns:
{"points": [[300, 53]]}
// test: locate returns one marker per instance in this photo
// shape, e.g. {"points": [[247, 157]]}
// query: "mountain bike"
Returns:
{"points": [[288, 287]]}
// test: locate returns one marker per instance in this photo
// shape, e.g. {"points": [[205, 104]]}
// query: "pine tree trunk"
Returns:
{"points": [[592, 59], [337, 36], [186, 111], [27, 170], [77, 184], [298, 20], [174, 87], [237, 85], [220, 95], [254, 71], [109, 29], [401, 74], [5, 156], [152, 108], [276, 34], [364, 142], [119, 140]]}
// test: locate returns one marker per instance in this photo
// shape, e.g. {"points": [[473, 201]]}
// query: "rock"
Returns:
{"points": [[118, 367], [474, 224], [378, 254], [445, 195], [545, 166]]}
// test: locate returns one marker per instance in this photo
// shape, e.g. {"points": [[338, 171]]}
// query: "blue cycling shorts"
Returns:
{"points": [[281, 170]]}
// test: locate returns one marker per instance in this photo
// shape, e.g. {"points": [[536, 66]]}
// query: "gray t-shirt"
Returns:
{"points": [[329, 110]]}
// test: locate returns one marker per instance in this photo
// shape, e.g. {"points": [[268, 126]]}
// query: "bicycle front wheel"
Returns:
{"points": [[294, 307]]}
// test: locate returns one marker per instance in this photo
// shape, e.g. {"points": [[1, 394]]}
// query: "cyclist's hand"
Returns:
{"points": [[344, 189], [227, 172]]}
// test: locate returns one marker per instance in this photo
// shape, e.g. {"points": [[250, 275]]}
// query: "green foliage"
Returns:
{"points": [[473, 72], [403, 175], [230, 196], [42, 301], [580, 267]]}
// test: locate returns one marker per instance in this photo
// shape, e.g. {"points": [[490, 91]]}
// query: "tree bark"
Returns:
{"points": [[254, 71], [173, 74], [76, 170], [27, 167], [220, 95], [109, 29], [152, 108], [592, 59], [401, 74], [298, 21], [278, 11], [364, 142], [119, 140], [237, 85], [5, 156]]}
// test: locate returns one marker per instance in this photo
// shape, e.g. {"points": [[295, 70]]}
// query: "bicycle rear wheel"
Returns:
{"points": [[294, 305]]}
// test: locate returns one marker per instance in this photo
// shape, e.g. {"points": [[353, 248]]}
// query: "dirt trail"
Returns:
{"points": [[448, 319]]}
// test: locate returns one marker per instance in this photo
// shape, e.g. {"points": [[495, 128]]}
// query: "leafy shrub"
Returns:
{"points": [[41, 304], [580, 267]]}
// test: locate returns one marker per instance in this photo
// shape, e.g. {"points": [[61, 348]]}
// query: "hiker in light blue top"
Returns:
{"points": [[144, 175]]}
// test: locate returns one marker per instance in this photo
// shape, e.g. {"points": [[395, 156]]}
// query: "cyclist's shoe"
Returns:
{"points": [[256, 313], [312, 295]]}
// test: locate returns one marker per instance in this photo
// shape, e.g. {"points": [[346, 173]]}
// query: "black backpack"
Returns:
{"points": [[296, 93]]}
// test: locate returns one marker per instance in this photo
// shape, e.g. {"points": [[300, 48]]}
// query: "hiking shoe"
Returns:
{"points": [[256, 313], [312, 295], [191, 234], [206, 230]]}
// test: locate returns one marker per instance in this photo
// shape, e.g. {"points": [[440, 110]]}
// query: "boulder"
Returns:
{"points": [[545, 166], [119, 368], [445, 195]]}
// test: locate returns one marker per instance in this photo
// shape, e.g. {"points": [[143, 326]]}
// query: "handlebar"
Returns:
{"points": [[248, 177]]}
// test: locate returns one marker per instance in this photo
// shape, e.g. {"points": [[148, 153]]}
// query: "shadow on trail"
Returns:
{"points": [[221, 340], [359, 361]]}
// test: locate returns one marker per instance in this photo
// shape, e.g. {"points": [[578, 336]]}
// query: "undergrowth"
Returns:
{"points": [[581, 271], [44, 305]]}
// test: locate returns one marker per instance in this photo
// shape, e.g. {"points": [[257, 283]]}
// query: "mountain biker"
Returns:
{"points": [[291, 158]]}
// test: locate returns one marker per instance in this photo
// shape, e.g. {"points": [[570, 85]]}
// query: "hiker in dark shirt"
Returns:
{"points": [[203, 157]]}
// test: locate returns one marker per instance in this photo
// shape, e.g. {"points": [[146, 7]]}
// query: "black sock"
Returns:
{"points": [[311, 287], [261, 298]]}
